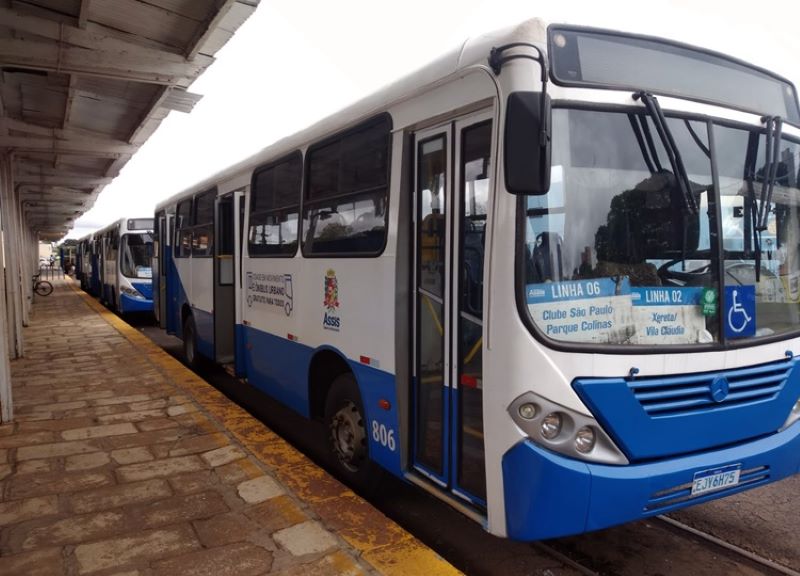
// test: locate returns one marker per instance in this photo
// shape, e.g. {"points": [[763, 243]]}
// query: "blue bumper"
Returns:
{"points": [[549, 496], [128, 304]]}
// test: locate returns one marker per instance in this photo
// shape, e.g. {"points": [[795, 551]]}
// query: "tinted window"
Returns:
{"points": [[614, 60], [183, 214], [204, 208], [347, 192], [275, 208], [183, 231]]}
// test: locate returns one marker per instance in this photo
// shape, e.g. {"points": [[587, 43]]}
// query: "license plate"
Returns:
{"points": [[715, 479]]}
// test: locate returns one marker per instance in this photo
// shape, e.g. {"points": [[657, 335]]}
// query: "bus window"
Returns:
{"points": [[183, 230], [347, 193], [476, 170], [275, 208], [203, 229], [615, 221], [137, 252]]}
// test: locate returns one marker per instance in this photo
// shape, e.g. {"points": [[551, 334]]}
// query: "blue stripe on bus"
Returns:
{"points": [[548, 495], [279, 367], [94, 279], [176, 298], [382, 425], [658, 417], [204, 324], [239, 364], [129, 304], [144, 288]]}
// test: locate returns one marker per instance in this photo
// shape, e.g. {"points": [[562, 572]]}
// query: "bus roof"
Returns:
{"points": [[473, 51]]}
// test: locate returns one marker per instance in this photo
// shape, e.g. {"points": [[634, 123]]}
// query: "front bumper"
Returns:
{"points": [[129, 304], [548, 495]]}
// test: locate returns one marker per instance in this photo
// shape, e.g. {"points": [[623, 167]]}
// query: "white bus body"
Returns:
{"points": [[550, 361], [122, 252]]}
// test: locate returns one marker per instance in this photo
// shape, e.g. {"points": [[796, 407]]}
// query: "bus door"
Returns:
{"points": [[160, 270], [225, 272], [452, 185], [170, 286]]}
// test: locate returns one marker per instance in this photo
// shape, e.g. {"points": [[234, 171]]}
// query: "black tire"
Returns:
{"points": [[348, 442], [43, 288], [193, 359]]}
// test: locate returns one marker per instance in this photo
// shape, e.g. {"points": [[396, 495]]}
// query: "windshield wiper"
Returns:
{"points": [[659, 120], [759, 210], [774, 128]]}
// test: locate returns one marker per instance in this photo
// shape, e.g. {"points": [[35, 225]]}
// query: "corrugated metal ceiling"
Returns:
{"points": [[84, 83]]}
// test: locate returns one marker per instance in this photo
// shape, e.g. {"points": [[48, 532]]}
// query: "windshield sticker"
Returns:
{"points": [[709, 300], [596, 310], [791, 287], [143, 272], [740, 311], [668, 315], [270, 292]]}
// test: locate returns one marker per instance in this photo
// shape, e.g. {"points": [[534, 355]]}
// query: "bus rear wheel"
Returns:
{"points": [[190, 343], [347, 434]]}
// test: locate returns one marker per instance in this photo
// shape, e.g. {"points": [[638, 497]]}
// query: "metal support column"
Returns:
{"points": [[13, 257], [6, 338]]}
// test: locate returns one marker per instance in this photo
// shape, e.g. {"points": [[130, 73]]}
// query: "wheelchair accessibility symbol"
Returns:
{"points": [[740, 315]]}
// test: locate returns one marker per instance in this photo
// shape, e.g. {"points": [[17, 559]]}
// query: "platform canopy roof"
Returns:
{"points": [[84, 83]]}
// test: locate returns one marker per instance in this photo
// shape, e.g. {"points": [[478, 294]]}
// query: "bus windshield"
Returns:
{"points": [[615, 254], [136, 255]]}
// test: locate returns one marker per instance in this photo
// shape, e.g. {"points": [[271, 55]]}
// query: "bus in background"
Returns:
{"points": [[551, 278], [124, 265], [83, 261], [67, 254], [87, 270]]}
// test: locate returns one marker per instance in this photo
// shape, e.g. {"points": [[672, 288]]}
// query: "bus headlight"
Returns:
{"points": [[551, 425], [131, 292], [562, 430], [585, 440], [527, 411], [794, 416]]}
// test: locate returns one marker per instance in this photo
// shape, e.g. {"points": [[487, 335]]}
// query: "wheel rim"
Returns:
{"points": [[348, 436]]}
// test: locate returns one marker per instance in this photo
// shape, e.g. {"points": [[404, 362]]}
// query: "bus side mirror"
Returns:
{"points": [[527, 143]]}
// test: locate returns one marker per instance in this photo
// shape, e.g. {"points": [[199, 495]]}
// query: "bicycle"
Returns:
{"points": [[42, 287]]}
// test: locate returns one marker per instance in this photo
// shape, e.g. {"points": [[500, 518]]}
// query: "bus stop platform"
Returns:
{"points": [[121, 461]]}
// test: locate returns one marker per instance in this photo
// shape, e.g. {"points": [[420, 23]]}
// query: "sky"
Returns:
{"points": [[293, 63]]}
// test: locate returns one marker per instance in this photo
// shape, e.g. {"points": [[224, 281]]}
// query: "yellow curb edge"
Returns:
{"points": [[402, 555]]}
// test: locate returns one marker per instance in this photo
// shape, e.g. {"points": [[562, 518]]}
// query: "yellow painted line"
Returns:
{"points": [[379, 541]]}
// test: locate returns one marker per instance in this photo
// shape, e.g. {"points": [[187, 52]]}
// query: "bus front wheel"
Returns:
{"points": [[347, 433]]}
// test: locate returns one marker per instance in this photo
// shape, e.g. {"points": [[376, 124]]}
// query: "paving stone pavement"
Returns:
{"points": [[122, 462]]}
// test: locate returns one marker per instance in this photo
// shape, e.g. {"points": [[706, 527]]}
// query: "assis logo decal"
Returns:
{"points": [[331, 319]]}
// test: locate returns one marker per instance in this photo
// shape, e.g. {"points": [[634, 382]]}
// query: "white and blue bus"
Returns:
{"points": [[86, 267], [120, 265], [553, 278]]}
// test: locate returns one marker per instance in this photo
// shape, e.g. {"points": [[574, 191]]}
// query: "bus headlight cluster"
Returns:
{"points": [[794, 416], [551, 425], [131, 292], [563, 430]]}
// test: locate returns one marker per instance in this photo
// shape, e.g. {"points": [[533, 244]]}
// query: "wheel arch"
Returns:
{"points": [[186, 312], [326, 365]]}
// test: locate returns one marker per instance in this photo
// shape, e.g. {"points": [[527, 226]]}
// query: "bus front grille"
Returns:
{"points": [[680, 395]]}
